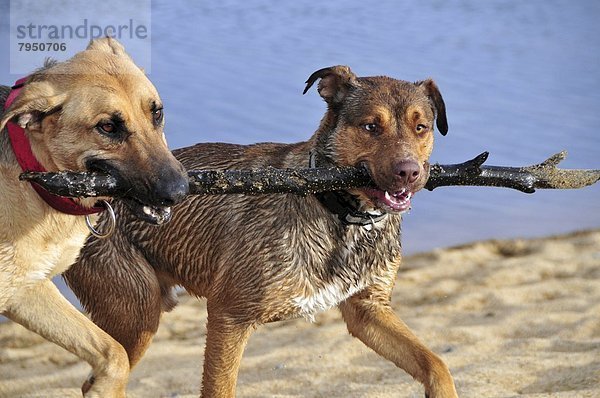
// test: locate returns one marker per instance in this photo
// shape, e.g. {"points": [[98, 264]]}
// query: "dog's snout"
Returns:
{"points": [[172, 187], [408, 171]]}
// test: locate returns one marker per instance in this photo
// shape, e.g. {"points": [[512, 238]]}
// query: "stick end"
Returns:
{"points": [[27, 176], [555, 159]]}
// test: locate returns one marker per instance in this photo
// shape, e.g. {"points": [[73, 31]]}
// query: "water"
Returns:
{"points": [[520, 79]]}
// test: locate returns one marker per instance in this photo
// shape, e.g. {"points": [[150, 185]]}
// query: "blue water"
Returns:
{"points": [[520, 79]]}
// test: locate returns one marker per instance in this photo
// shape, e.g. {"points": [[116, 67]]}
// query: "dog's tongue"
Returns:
{"points": [[397, 201]]}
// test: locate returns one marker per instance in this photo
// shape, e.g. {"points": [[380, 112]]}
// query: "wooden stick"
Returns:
{"points": [[527, 179], [309, 181]]}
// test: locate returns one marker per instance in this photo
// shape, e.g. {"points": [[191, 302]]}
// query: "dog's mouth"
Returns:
{"points": [[150, 213], [156, 215], [388, 200], [398, 201]]}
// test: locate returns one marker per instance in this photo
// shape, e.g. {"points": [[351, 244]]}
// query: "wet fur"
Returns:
{"points": [[58, 108], [260, 259]]}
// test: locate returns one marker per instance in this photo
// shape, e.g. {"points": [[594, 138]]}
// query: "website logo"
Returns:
{"points": [[59, 29]]}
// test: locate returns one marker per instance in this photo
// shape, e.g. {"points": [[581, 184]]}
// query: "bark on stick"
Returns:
{"points": [[545, 175]]}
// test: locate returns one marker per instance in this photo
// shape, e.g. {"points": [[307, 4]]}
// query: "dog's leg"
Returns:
{"points": [[42, 309], [130, 309], [225, 341], [370, 318]]}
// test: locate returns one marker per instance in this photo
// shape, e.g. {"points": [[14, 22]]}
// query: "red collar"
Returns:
{"points": [[22, 149]]}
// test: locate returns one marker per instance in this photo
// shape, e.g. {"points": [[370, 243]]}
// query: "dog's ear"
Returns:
{"points": [[433, 92], [36, 100], [107, 44], [334, 84], [110, 46]]}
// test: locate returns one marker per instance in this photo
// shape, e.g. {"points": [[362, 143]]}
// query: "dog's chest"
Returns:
{"points": [[326, 297], [360, 258], [47, 255], [43, 242]]}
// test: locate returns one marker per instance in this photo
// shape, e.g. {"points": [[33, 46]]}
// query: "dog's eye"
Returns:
{"points": [[107, 127], [421, 128], [113, 128], [157, 115], [371, 127]]}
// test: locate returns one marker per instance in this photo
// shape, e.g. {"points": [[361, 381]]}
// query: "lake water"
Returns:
{"points": [[520, 79]]}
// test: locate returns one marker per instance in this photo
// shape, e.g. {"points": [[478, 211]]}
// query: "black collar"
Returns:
{"points": [[344, 205]]}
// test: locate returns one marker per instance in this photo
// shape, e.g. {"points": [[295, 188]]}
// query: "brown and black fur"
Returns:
{"points": [[260, 259]]}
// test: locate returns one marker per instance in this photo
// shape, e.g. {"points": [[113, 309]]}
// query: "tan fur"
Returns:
{"points": [[59, 107], [267, 258]]}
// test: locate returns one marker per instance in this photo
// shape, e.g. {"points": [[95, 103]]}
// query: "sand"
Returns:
{"points": [[518, 318]]}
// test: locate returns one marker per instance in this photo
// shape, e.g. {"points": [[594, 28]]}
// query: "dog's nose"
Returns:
{"points": [[407, 171], [172, 187]]}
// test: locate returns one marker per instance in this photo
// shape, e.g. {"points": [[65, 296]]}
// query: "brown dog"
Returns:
{"points": [[268, 258], [96, 111]]}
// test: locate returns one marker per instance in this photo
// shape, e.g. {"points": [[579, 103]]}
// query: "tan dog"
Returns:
{"points": [[261, 259], [96, 111]]}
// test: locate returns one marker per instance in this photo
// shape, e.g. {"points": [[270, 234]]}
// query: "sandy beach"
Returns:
{"points": [[516, 318]]}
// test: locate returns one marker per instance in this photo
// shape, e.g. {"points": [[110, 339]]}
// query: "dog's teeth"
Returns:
{"points": [[147, 210], [387, 196]]}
